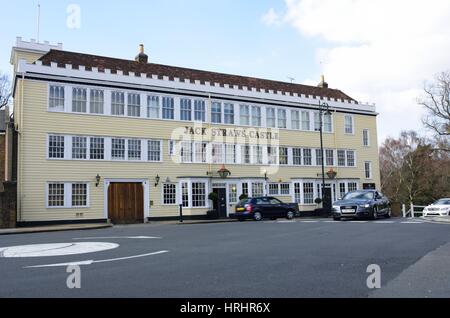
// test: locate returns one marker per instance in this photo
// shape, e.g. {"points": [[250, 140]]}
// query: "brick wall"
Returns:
{"points": [[8, 205], [2, 157]]}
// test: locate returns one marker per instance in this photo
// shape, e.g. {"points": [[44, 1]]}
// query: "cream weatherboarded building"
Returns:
{"points": [[128, 140]]}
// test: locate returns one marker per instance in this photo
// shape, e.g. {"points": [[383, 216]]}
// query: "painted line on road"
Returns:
{"points": [[117, 237], [89, 262], [55, 249], [411, 222], [286, 221], [384, 222], [309, 221]]}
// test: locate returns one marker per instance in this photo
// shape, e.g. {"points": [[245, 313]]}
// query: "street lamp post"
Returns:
{"points": [[323, 108]]}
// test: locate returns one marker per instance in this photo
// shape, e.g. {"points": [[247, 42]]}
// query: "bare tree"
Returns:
{"points": [[5, 90], [411, 171], [437, 104]]}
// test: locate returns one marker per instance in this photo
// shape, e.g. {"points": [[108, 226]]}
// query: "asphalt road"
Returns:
{"points": [[318, 258]]}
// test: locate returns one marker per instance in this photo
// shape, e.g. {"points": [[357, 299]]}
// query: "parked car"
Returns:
{"points": [[439, 208], [264, 207], [362, 204]]}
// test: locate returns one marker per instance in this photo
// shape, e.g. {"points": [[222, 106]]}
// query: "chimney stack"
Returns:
{"points": [[141, 57], [322, 83]]}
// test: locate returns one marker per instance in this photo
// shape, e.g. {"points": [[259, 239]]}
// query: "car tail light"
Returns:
{"points": [[248, 207]]}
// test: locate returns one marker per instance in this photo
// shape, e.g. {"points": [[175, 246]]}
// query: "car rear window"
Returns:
{"points": [[244, 201]]}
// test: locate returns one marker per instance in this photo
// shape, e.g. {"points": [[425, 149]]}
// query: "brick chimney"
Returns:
{"points": [[322, 83], [141, 57]]}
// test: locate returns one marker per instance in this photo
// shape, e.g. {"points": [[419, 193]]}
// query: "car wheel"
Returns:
{"points": [[388, 214], [257, 216], [375, 213], [290, 215]]}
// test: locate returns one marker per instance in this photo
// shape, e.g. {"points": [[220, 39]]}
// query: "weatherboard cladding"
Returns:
{"points": [[130, 67]]}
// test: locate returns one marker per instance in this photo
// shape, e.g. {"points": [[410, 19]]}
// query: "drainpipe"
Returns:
{"points": [[20, 152]]}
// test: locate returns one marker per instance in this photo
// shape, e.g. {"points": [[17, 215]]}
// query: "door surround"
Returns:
{"points": [[145, 185]]}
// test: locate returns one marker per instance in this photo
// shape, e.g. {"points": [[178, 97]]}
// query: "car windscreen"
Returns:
{"points": [[442, 202], [358, 196]]}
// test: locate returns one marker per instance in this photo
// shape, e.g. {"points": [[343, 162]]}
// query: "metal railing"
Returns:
{"points": [[413, 211]]}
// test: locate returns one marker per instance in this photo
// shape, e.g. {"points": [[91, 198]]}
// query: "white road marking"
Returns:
{"points": [[411, 222], [89, 262], [384, 222], [309, 221], [56, 249], [117, 237], [358, 221], [286, 222]]}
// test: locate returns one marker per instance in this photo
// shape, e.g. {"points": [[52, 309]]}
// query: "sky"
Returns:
{"points": [[381, 52]]}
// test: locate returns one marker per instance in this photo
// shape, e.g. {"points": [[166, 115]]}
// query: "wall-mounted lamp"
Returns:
{"points": [[97, 179], [157, 178]]}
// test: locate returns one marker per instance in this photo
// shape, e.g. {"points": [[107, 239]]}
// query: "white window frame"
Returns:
{"points": [[283, 118], [124, 103], [64, 98], [184, 102], [229, 118], [352, 124], [172, 109], [147, 141], [150, 99], [215, 113], [331, 125], [274, 118], [367, 131], [67, 195], [247, 116], [368, 164], [103, 95], [256, 121], [203, 112], [175, 194]]}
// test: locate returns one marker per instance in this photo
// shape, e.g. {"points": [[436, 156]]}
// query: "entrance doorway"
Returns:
{"points": [[221, 204], [126, 202], [327, 199]]}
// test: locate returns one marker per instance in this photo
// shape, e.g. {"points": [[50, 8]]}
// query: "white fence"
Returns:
{"points": [[414, 210]]}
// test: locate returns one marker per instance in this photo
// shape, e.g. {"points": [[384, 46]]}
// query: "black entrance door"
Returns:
{"points": [[221, 204], [327, 200]]}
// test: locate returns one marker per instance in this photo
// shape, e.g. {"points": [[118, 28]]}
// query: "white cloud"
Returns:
{"points": [[379, 51], [271, 18]]}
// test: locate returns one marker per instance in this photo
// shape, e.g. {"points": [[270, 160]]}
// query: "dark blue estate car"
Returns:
{"points": [[362, 204]]}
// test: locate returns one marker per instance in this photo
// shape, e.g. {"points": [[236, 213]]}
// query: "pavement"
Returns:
{"points": [[54, 228], [440, 219], [275, 259]]}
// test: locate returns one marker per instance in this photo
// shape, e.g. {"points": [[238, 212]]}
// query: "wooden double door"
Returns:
{"points": [[126, 202]]}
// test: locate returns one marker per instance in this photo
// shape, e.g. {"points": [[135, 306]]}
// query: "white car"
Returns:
{"points": [[439, 208]]}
